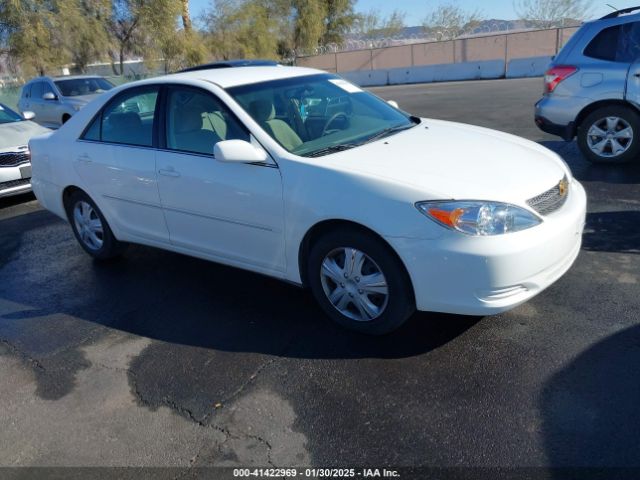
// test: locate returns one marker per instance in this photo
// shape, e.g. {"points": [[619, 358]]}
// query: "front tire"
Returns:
{"points": [[359, 282], [91, 228], [610, 135]]}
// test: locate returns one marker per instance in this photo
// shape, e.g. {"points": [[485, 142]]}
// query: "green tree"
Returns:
{"points": [[339, 19], [84, 25], [373, 24], [448, 21], [30, 35], [553, 13]]}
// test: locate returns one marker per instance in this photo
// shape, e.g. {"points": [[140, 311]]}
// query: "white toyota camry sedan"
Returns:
{"points": [[300, 175]]}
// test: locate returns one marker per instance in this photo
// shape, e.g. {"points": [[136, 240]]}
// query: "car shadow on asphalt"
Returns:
{"points": [[183, 300], [612, 232], [590, 409], [586, 171]]}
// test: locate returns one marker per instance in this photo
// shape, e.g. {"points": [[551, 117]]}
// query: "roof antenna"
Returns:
{"points": [[611, 6]]}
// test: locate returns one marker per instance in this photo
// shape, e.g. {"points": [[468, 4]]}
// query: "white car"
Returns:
{"points": [[302, 176], [15, 159]]}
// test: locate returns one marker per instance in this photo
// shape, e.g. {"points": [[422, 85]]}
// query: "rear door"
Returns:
{"points": [[608, 58], [630, 49], [115, 157]]}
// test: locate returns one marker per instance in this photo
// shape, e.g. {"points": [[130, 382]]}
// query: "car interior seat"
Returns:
{"points": [[263, 111], [188, 132]]}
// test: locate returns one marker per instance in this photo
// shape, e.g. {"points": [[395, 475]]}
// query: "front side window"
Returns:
{"points": [[620, 43], [315, 115], [196, 121], [46, 88], [37, 90], [83, 86], [127, 119]]}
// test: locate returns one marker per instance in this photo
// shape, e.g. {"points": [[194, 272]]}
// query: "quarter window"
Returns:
{"points": [[196, 121], [127, 119], [620, 43]]}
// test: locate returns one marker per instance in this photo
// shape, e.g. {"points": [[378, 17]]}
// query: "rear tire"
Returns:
{"points": [[91, 228], [359, 282], [610, 135]]}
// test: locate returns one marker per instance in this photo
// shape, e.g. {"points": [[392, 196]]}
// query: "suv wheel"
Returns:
{"points": [[610, 134], [91, 229], [359, 282]]}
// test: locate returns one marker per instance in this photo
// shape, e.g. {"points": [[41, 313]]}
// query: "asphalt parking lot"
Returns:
{"points": [[159, 359]]}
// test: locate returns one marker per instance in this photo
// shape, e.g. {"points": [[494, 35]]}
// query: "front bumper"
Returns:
{"points": [[15, 180], [486, 275]]}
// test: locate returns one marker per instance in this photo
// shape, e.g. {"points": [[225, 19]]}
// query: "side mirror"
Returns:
{"points": [[393, 103], [238, 151], [28, 115], [49, 96]]}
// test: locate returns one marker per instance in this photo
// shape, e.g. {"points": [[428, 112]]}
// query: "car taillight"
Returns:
{"points": [[555, 75]]}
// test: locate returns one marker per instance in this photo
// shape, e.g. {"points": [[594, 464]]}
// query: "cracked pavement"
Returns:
{"points": [[159, 359]]}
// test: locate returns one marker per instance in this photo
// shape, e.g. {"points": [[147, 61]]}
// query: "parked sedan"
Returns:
{"points": [[15, 160], [55, 100], [300, 175]]}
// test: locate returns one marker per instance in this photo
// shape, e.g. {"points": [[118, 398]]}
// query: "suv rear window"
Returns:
{"points": [[620, 43]]}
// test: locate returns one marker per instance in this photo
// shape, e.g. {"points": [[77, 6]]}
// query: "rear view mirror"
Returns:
{"points": [[238, 151], [49, 96], [393, 103], [28, 115]]}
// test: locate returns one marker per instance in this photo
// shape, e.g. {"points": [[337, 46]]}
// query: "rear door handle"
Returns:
{"points": [[168, 172], [84, 158]]}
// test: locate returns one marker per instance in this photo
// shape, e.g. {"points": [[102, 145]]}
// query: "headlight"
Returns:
{"points": [[479, 218]]}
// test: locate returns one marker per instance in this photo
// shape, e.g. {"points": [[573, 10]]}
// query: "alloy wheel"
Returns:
{"points": [[610, 137]]}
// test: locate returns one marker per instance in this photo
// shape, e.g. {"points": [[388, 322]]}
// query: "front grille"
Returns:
{"points": [[551, 200], [14, 183], [13, 159]]}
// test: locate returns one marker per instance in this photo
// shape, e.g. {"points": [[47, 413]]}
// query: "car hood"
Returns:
{"points": [[18, 134], [81, 99], [448, 160]]}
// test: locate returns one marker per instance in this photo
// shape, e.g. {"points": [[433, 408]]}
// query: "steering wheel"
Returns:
{"points": [[333, 118]]}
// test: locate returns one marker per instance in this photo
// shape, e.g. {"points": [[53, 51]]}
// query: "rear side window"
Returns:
{"points": [[616, 44], [127, 119]]}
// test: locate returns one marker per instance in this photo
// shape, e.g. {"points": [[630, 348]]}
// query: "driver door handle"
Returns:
{"points": [[84, 158], [168, 172]]}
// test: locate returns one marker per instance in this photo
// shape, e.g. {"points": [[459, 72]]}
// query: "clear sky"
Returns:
{"points": [[416, 10]]}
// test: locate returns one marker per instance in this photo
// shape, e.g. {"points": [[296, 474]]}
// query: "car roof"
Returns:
{"points": [[234, 63], [234, 77], [63, 77]]}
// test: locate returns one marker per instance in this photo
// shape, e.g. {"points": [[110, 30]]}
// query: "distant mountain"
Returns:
{"points": [[492, 25]]}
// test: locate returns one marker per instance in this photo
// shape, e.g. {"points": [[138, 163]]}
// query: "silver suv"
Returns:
{"points": [[54, 100], [592, 89]]}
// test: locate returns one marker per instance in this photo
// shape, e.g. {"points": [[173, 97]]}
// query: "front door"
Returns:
{"points": [[232, 211]]}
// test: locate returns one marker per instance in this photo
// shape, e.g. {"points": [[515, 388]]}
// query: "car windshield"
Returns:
{"points": [[319, 114], [8, 116], [83, 86]]}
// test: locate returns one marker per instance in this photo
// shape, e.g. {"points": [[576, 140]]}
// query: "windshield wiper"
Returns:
{"points": [[331, 149], [387, 131]]}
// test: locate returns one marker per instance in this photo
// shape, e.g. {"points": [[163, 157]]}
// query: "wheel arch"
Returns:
{"points": [[68, 191], [325, 226], [592, 107]]}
